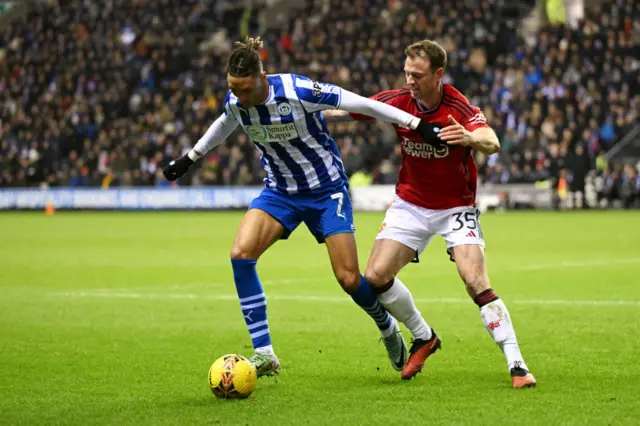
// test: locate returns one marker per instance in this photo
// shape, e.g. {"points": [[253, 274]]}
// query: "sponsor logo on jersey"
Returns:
{"points": [[272, 133], [478, 118], [423, 149]]}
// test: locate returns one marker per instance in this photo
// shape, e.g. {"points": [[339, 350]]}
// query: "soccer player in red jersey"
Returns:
{"points": [[435, 195]]}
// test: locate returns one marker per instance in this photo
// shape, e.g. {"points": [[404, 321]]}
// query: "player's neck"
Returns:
{"points": [[265, 93], [431, 100]]}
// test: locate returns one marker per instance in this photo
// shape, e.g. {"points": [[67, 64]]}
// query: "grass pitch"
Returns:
{"points": [[115, 318]]}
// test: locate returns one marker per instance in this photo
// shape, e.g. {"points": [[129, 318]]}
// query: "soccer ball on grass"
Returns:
{"points": [[232, 376]]}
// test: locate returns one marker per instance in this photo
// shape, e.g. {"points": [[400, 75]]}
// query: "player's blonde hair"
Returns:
{"points": [[250, 43], [245, 61], [428, 49]]}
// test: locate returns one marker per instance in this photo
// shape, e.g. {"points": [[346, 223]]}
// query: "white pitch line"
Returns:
{"points": [[576, 264], [333, 299], [429, 274], [212, 284]]}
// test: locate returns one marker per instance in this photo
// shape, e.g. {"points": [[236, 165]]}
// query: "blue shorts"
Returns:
{"points": [[325, 213]]}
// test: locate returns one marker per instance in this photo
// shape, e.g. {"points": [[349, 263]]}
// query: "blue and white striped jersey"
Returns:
{"points": [[288, 129]]}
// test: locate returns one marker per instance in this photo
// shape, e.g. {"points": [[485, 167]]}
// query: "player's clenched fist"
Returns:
{"points": [[177, 168], [428, 133]]}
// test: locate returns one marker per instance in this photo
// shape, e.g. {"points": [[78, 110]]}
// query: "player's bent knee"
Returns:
{"points": [[377, 276], [349, 280], [238, 252]]}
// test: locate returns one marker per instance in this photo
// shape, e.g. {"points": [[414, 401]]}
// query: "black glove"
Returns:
{"points": [[177, 168], [429, 134]]}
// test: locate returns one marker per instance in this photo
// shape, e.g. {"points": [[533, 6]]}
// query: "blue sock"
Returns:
{"points": [[367, 300], [252, 301]]}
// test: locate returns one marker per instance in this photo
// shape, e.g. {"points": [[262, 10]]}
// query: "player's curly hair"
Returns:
{"points": [[430, 50], [245, 61]]}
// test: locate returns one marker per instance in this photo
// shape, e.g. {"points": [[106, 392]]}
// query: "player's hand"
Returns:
{"points": [[177, 168], [428, 133], [455, 134]]}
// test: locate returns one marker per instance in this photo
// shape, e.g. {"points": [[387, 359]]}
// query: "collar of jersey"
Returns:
{"points": [[423, 110]]}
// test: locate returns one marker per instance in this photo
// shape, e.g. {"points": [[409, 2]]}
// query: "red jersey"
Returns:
{"points": [[435, 177]]}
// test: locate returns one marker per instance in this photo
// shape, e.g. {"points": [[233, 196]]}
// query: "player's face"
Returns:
{"points": [[421, 78], [250, 90]]}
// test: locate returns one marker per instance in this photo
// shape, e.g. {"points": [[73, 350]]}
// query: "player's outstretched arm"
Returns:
{"points": [[321, 97], [217, 132], [351, 102], [336, 116]]}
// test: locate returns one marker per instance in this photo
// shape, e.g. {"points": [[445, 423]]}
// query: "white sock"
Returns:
{"points": [[497, 321], [399, 302], [390, 330], [266, 350]]}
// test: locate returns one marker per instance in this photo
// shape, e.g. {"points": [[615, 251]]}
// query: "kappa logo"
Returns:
{"points": [[284, 108]]}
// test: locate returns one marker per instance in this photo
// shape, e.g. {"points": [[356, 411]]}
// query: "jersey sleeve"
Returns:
{"points": [[352, 102], [218, 131], [226, 108], [362, 117], [316, 96]]}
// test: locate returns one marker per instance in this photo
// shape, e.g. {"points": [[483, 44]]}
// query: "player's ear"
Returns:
{"points": [[263, 76], [440, 72]]}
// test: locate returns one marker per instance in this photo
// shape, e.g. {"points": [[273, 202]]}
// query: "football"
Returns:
{"points": [[232, 376]]}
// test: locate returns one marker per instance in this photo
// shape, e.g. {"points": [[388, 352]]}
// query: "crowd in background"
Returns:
{"points": [[106, 93]]}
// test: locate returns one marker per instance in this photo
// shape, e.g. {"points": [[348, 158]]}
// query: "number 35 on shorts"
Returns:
{"points": [[466, 223]]}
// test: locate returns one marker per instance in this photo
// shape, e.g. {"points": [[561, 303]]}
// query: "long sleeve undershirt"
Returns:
{"points": [[349, 101], [352, 102], [217, 132]]}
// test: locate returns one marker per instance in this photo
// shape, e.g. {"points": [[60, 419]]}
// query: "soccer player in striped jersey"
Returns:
{"points": [[305, 182], [436, 195]]}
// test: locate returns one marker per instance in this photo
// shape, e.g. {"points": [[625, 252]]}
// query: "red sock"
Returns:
{"points": [[485, 297]]}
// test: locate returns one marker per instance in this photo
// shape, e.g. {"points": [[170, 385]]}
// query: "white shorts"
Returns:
{"points": [[416, 226]]}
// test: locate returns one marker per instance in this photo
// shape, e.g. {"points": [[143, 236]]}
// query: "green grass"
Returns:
{"points": [[114, 318]]}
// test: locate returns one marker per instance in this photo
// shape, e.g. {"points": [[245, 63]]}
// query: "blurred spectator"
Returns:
{"points": [[629, 190], [104, 94], [578, 165], [619, 187]]}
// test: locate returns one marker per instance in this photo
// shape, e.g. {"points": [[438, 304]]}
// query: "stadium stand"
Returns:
{"points": [[105, 95]]}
